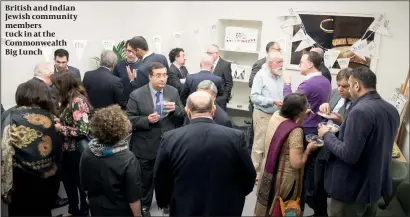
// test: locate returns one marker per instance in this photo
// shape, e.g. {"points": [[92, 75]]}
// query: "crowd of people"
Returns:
{"points": [[138, 126]]}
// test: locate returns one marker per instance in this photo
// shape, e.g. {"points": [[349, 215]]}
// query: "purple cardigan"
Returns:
{"points": [[317, 90]]}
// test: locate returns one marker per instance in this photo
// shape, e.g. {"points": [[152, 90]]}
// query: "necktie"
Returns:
{"points": [[182, 72], [345, 106], [158, 107]]}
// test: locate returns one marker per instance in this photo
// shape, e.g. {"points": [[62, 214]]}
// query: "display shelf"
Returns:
{"points": [[239, 106], [240, 51], [240, 96], [242, 81], [252, 24], [240, 89]]}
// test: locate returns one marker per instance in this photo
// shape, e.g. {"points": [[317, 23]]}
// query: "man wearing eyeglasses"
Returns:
{"points": [[153, 109], [134, 71], [271, 46], [267, 97], [61, 63], [221, 68]]}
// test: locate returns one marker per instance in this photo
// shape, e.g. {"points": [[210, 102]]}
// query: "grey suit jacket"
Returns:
{"points": [[146, 137], [334, 99], [324, 154]]}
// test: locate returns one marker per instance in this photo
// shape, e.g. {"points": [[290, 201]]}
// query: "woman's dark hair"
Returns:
{"points": [[293, 105], [35, 93], [110, 125], [69, 87]]}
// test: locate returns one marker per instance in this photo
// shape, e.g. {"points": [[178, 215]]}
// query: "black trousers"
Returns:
{"points": [[57, 186], [314, 194], [71, 180], [147, 182], [32, 195]]}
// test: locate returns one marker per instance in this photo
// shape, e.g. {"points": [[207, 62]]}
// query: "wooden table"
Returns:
{"points": [[401, 158]]}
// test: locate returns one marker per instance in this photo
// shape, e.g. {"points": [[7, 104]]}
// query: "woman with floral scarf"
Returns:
{"points": [[29, 148], [74, 126], [109, 171]]}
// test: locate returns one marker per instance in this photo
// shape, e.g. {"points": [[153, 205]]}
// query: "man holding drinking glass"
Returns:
{"points": [[153, 109]]}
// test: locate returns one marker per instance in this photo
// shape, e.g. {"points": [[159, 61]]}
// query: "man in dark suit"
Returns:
{"points": [[358, 171], [220, 116], [61, 63], [192, 81], [126, 69], [103, 88], [152, 109], [337, 107], [322, 68], [42, 73], [177, 72], [222, 69], [140, 76], [203, 169], [271, 46]]}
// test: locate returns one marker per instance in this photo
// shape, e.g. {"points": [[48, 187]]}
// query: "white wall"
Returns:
{"points": [[123, 20]]}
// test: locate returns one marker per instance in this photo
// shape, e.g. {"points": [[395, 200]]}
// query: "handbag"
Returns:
{"points": [[287, 208]]}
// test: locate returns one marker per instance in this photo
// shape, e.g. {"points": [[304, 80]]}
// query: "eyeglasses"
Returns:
{"points": [[160, 76]]}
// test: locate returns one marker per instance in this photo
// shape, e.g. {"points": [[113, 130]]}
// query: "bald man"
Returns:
{"points": [[222, 69], [322, 68], [203, 169], [192, 80]]}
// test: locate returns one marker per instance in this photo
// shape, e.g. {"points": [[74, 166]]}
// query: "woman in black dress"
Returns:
{"points": [[109, 171]]}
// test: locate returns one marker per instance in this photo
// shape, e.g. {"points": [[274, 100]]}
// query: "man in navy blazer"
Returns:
{"points": [[61, 57], [192, 81], [358, 170]]}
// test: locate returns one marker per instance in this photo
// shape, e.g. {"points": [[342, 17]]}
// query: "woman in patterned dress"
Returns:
{"points": [[73, 125], [29, 149], [284, 135]]}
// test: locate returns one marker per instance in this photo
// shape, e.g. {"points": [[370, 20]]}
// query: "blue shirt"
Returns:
{"points": [[266, 88]]}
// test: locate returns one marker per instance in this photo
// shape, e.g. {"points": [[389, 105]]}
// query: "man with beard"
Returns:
{"points": [[267, 97], [358, 172]]}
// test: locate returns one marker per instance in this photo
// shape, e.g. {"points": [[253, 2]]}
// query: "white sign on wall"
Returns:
{"points": [[241, 39], [79, 46]]}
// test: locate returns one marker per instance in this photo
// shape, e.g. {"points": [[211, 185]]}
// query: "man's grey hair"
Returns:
{"points": [[215, 46], [108, 58], [43, 69], [208, 85], [273, 55]]}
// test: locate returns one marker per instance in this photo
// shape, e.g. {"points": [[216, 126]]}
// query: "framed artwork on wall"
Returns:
{"points": [[334, 31]]}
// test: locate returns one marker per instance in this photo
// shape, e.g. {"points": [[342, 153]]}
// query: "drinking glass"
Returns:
{"points": [[333, 127], [165, 110], [313, 137]]}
